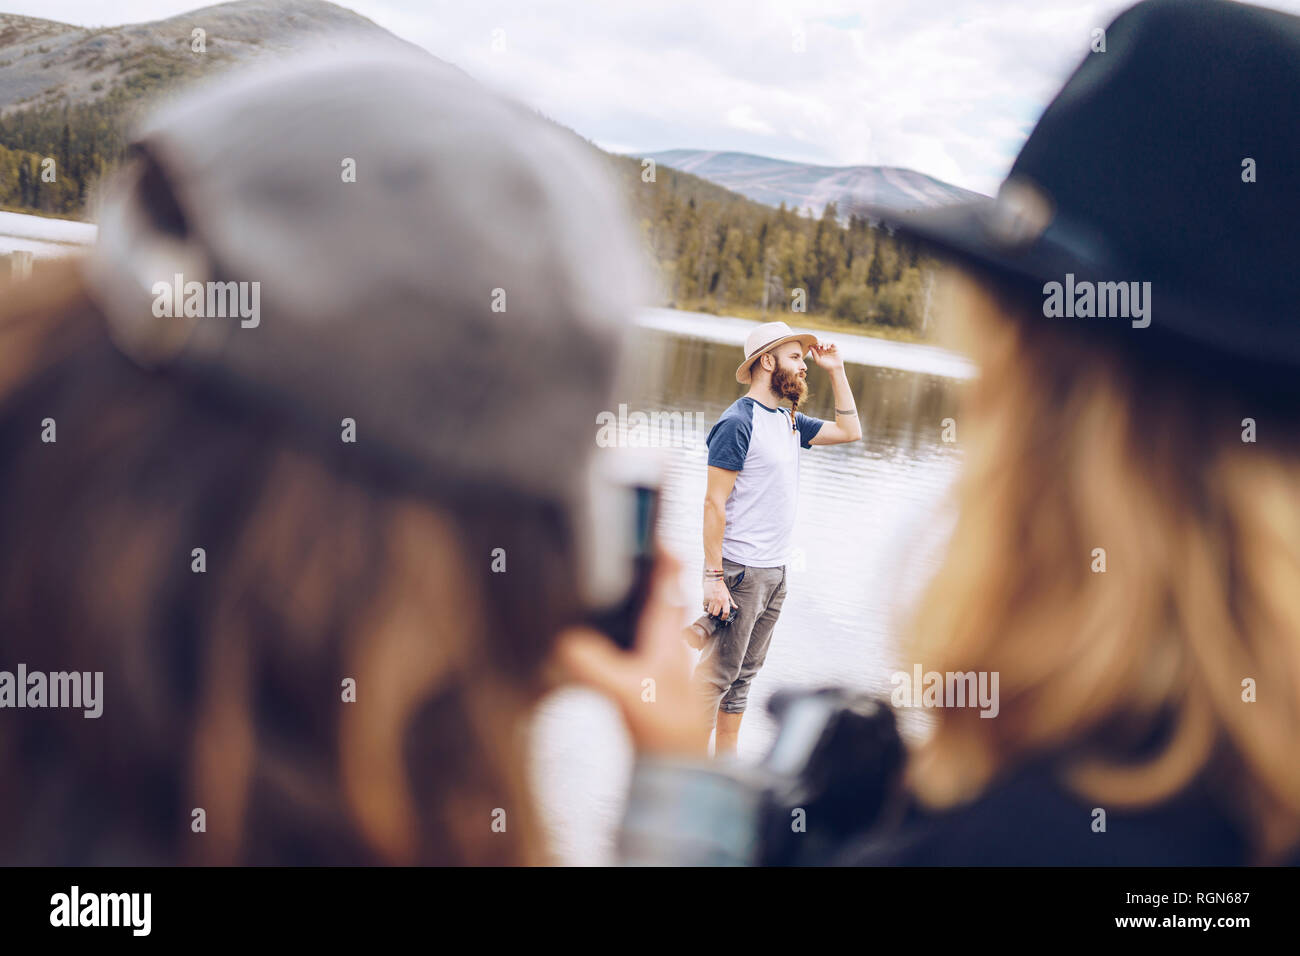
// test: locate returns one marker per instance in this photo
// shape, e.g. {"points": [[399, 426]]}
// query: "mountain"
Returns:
{"points": [[44, 63], [70, 94], [803, 186]]}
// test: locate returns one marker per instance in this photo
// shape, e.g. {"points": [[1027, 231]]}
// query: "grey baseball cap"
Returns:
{"points": [[441, 265]]}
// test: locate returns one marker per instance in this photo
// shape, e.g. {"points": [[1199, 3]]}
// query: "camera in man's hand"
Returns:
{"points": [[720, 621]]}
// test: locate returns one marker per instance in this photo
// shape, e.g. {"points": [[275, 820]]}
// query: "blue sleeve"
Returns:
{"points": [[808, 428], [728, 442], [691, 812]]}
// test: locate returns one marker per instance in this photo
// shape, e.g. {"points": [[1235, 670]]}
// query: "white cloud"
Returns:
{"points": [[744, 118]]}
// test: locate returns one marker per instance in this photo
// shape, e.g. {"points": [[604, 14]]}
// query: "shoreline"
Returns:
{"points": [[816, 321], [855, 346]]}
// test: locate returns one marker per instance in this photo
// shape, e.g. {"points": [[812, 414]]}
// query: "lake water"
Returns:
{"points": [[871, 517]]}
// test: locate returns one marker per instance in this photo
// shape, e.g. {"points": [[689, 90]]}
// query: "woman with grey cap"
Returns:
{"points": [[1126, 555], [298, 461]]}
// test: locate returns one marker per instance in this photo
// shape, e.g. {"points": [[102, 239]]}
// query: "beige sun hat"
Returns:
{"points": [[766, 337]]}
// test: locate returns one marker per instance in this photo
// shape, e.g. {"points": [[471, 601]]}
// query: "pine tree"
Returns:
{"points": [[875, 272]]}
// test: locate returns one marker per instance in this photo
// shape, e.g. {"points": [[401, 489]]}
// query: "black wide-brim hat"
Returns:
{"points": [[1138, 171]]}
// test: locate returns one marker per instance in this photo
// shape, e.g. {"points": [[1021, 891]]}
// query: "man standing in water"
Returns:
{"points": [[749, 512]]}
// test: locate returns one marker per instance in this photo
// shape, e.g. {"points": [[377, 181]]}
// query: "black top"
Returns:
{"points": [[1029, 819]]}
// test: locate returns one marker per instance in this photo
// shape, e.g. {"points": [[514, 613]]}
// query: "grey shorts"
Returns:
{"points": [[733, 654]]}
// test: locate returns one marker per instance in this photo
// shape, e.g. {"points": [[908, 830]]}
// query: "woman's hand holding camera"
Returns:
{"points": [[650, 684]]}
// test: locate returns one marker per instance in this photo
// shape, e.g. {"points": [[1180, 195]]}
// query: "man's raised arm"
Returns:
{"points": [[846, 426]]}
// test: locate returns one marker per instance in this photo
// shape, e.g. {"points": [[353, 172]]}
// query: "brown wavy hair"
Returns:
{"points": [[1070, 445], [223, 689]]}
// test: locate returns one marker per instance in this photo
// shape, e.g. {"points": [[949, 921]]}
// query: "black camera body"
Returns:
{"points": [[836, 762]]}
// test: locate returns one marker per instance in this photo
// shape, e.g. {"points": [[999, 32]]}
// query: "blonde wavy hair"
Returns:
{"points": [[1071, 446]]}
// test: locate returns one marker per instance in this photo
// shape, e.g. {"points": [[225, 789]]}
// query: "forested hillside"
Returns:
{"points": [[716, 249]]}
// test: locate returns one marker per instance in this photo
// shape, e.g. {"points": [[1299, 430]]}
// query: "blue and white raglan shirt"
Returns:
{"points": [[763, 444]]}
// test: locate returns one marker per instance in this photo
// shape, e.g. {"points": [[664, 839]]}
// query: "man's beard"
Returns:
{"points": [[789, 385]]}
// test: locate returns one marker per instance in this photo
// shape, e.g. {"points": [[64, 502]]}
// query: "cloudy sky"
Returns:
{"points": [[947, 87]]}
